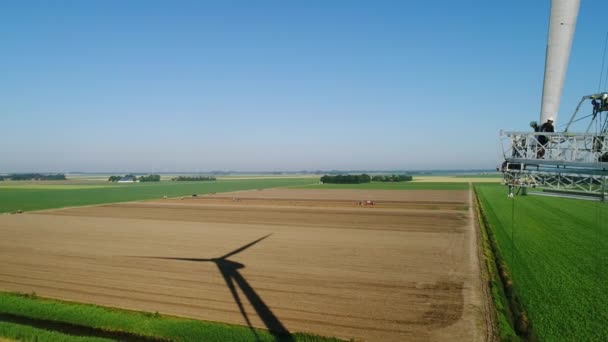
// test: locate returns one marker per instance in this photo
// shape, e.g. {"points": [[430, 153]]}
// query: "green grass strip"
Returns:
{"points": [[504, 314], [103, 319], [21, 332], [487, 175]]}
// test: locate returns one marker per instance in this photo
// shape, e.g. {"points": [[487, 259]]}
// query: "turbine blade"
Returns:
{"points": [[239, 250]]}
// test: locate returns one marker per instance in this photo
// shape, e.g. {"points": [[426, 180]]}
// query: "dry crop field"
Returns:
{"points": [[285, 259]]}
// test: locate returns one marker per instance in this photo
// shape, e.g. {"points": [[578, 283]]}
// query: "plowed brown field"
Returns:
{"points": [[405, 269]]}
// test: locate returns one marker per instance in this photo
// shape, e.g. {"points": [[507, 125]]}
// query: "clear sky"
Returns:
{"points": [[276, 85]]}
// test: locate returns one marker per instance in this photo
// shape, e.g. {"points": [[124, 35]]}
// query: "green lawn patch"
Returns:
{"points": [[66, 321], [16, 185], [485, 175], [47, 197], [556, 250], [391, 186]]}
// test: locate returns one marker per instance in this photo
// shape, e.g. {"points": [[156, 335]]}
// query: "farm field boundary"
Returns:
{"points": [[497, 283]]}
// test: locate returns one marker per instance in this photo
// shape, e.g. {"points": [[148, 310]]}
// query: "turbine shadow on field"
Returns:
{"points": [[233, 278]]}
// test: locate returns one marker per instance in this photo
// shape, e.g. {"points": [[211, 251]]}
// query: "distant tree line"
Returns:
{"points": [[35, 176], [193, 178], [346, 179], [114, 178], [149, 178], [392, 178]]}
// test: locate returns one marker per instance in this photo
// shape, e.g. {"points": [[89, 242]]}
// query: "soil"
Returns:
{"points": [[406, 268]]}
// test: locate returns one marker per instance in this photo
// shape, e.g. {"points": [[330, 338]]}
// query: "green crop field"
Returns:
{"points": [[30, 196], [391, 186], [29, 318], [557, 252], [484, 175]]}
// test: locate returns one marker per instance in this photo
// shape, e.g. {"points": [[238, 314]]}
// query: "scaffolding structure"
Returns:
{"points": [[569, 164]]}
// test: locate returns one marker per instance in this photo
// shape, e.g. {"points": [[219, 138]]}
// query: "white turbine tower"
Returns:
{"points": [[567, 164], [561, 32]]}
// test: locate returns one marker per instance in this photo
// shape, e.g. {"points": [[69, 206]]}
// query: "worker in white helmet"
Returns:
{"points": [[548, 126]]}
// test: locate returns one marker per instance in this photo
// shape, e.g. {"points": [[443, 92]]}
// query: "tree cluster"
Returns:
{"points": [[346, 179], [117, 178], [149, 178], [392, 178], [193, 179], [35, 176]]}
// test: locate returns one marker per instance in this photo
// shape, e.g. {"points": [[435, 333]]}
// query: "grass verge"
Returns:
{"points": [[504, 314], [20, 332], [30, 318]]}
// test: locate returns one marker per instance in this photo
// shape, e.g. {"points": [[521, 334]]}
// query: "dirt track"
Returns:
{"points": [[405, 269]]}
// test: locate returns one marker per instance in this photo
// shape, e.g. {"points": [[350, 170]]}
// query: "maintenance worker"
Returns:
{"points": [[535, 126], [532, 147], [542, 139], [596, 106], [548, 126]]}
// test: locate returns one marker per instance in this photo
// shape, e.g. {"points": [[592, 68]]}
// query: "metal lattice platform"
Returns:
{"points": [[564, 163]]}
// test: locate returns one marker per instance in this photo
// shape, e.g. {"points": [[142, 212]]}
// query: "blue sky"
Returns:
{"points": [[276, 85]]}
